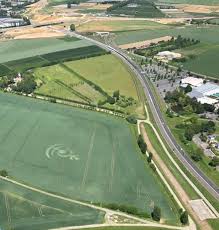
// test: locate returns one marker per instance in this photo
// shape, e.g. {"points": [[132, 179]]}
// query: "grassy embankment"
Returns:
{"points": [[211, 199]]}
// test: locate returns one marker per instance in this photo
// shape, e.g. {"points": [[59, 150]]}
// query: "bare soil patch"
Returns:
{"points": [[197, 8], [28, 33], [144, 44]]}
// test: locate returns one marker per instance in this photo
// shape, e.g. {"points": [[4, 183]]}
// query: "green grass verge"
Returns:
{"points": [[159, 149], [210, 198], [214, 223]]}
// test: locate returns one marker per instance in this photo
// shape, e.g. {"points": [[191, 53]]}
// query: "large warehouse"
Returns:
{"points": [[206, 93]]}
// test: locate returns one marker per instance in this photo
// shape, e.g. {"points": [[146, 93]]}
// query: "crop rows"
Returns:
{"points": [[50, 59]]}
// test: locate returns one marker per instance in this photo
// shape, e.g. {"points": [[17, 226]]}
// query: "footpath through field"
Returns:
{"points": [[179, 190], [140, 221]]}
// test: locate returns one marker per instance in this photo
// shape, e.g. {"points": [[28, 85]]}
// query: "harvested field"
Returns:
{"points": [[193, 2], [144, 44], [198, 8], [30, 33]]}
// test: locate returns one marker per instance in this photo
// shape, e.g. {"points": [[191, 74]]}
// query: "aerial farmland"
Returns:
{"points": [[109, 115]]}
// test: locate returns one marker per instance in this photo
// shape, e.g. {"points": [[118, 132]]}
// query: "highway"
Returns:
{"points": [[166, 133], [158, 117]]}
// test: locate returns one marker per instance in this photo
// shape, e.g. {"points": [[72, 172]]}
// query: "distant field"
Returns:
{"points": [[197, 2], [136, 8], [81, 154], [207, 34], [23, 209], [19, 49], [61, 2], [24, 64], [206, 61], [126, 25]]}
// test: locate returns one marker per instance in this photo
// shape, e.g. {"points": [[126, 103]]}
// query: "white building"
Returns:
{"points": [[192, 81], [207, 100], [206, 93], [167, 55]]}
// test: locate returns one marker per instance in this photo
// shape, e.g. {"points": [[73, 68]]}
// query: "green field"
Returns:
{"points": [[126, 25], [19, 49], [206, 53], [136, 8], [81, 154], [23, 209], [51, 58], [99, 71], [51, 77], [204, 59]]}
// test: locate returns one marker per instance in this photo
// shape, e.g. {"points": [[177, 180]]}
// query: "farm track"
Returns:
{"points": [[140, 221], [172, 180]]}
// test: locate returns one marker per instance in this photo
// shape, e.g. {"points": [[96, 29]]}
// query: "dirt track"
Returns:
{"points": [[173, 182]]}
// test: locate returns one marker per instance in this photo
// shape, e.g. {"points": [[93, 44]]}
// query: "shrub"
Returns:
{"points": [[214, 162], [3, 173], [156, 213], [110, 100], [72, 27], [132, 119], [153, 167], [142, 145], [196, 157], [150, 156], [184, 218]]}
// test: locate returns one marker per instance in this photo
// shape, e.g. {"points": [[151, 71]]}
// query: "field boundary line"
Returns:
{"points": [[121, 225], [26, 139], [143, 222], [88, 157], [9, 130], [78, 105], [112, 166], [7, 208]]}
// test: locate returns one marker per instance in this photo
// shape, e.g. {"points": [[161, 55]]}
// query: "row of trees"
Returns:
{"points": [[172, 44]]}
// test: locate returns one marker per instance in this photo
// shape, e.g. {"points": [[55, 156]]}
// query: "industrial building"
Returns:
{"points": [[192, 81], [206, 93]]}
